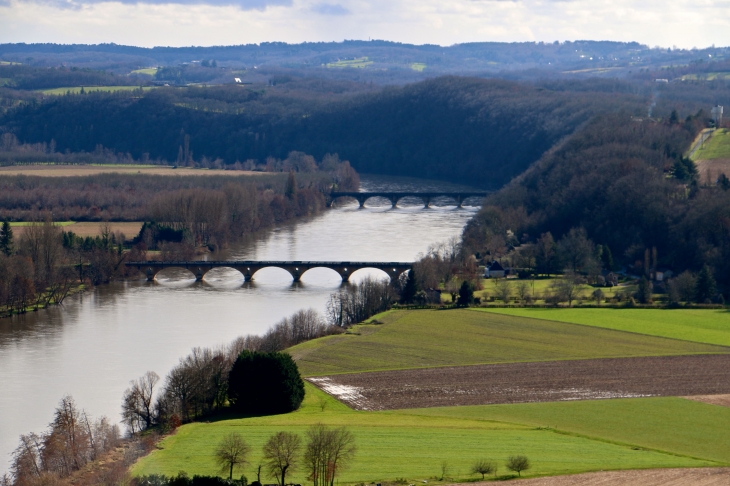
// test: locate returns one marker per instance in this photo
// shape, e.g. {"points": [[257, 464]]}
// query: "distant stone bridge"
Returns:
{"points": [[394, 197], [249, 268]]}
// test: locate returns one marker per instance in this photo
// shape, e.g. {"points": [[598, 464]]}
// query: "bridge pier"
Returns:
{"points": [[426, 201], [199, 272], [361, 200], [296, 272], [393, 201], [151, 272]]}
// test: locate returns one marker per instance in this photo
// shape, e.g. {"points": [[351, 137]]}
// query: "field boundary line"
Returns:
{"points": [[482, 309]]}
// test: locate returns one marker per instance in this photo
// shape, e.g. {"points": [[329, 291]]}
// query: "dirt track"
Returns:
{"points": [[652, 477], [532, 382]]}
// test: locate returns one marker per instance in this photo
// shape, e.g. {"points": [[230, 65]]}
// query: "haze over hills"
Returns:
{"points": [[377, 61]]}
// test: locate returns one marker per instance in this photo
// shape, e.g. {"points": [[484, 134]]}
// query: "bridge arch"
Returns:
{"points": [[153, 272]]}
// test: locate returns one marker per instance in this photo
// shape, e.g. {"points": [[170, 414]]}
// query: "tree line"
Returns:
{"points": [[44, 264], [130, 197], [465, 129]]}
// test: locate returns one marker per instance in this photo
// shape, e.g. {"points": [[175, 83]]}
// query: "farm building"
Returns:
{"points": [[494, 270]]}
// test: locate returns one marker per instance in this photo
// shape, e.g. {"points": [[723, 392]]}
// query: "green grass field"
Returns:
{"points": [[705, 76], [360, 62], [28, 223], [711, 326], [412, 444], [89, 89], [670, 424], [431, 338], [418, 66], [149, 71], [718, 147]]}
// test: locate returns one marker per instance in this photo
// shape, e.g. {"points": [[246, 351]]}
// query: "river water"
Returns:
{"points": [[93, 345]]}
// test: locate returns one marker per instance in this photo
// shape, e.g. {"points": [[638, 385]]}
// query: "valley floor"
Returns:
{"points": [[650, 436]]}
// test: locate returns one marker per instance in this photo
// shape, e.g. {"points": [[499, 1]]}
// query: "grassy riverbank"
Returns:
{"points": [[558, 437]]}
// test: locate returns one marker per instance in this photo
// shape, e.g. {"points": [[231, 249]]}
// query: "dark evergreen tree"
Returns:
{"points": [[410, 289], [643, 294], [674, 118], [265, 383], [291, 186], [723, 182], [466, 294], [607, 258], [706, 287], [6, 239]]}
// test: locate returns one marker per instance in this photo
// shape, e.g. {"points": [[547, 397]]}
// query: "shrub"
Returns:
{"points": [[265, 383], [518, 464]]}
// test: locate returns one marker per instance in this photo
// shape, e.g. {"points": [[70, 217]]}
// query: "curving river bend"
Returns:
{"points": [[97, 342]]}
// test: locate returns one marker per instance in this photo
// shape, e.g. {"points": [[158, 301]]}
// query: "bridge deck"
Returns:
{"points": [[249, 267], [394, 197], [268, 263]]}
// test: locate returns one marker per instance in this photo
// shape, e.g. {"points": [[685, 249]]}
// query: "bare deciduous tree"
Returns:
{"points": [[231, 453], [327, 452], [137, 408], [280, 453], [503, 288], [483, 467], [518, 464], [523, 290]]}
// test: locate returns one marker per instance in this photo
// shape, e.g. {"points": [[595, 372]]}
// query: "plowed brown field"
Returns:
{"points": [[532, 382], [715, 476]]}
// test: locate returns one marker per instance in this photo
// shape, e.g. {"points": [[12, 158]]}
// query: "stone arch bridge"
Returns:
{"points": [[394, 197], [249, 268]]}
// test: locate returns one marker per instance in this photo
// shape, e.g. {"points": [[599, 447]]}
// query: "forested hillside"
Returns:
{"points": [[626, 183], [479, 131]]}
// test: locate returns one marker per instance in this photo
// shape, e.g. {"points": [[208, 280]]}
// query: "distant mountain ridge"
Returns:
{"points": [[418, 60]]}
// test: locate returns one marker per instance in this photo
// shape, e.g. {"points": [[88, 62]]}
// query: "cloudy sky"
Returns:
{"points": [[667, 23]]}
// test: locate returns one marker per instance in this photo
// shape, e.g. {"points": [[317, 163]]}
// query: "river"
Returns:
{"points": [[93, 345]]}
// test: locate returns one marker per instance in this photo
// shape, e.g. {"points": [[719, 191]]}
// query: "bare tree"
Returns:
{"points": [[281, 452], [566, 289], [137, 408], [483, 467], [231, 453], [598, 296], [518, 464], [444, 470], [327, 452], [523, 290], [503, 288]]}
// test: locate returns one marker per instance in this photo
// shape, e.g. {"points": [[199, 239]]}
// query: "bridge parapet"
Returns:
{"points": [[249, 268]]}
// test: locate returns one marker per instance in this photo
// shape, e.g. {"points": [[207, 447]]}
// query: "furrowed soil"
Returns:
{"points": [[532, 382], [715, 476], [130, 229]]}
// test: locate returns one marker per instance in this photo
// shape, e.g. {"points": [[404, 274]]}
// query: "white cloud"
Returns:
{"points": [[210, 22]]}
